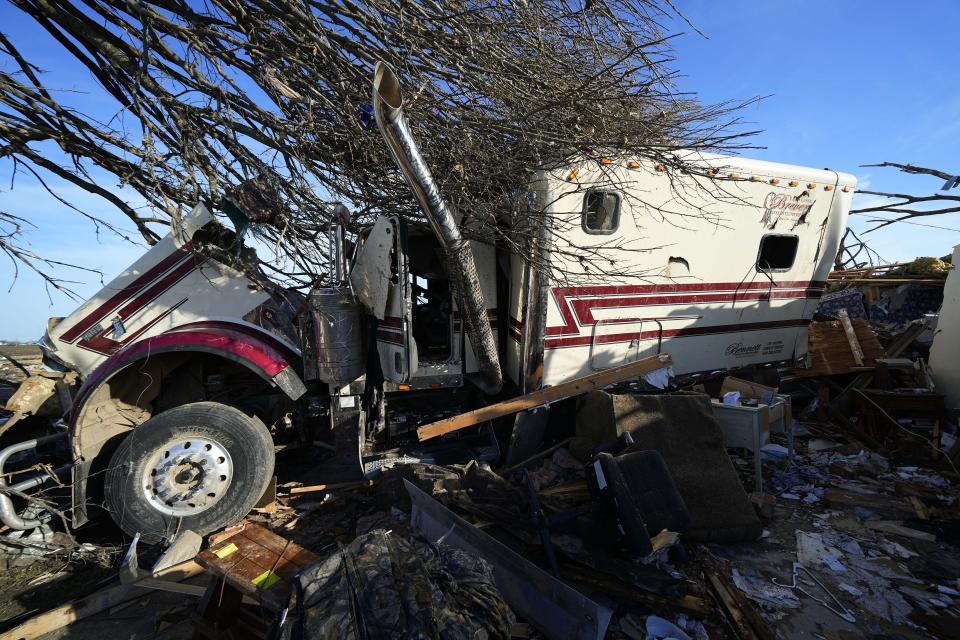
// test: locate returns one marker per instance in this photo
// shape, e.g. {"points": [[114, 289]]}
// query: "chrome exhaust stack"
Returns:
{"points": [[461, 267]]}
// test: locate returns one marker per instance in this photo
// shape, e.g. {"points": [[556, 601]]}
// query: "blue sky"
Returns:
{"points": [[850, 83]]}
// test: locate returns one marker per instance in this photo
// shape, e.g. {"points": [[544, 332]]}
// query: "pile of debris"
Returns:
{"points": [[821, 502], [885, 366], [640, 525]]}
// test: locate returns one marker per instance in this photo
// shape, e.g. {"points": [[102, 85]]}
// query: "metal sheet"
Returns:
{"points": [[370, 275], [556, 610]]}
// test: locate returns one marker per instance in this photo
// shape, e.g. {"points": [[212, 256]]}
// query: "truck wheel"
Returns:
{"points": [[199, 466]]}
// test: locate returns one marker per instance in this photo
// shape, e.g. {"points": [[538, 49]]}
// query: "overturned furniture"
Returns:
{"points": [[682, 428], [641, 497]]}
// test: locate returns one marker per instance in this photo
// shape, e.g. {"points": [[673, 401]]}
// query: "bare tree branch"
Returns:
{"points": [[208, 95], [904, 204]]}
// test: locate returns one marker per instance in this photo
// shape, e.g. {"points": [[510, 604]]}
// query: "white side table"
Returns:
{"points": [[745, 428]]}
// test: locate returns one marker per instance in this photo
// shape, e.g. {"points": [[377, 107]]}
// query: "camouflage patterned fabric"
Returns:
{"points": [[386, 586]]}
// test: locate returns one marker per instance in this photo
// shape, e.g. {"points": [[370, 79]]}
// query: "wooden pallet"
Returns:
{"points": [[247, 560], [830, 347]]}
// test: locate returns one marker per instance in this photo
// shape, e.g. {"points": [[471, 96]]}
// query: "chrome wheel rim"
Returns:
{"points": [[187, 476]]}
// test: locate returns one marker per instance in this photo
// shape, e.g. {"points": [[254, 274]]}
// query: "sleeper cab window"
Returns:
{"points": [[601, 212], [777, 252]]}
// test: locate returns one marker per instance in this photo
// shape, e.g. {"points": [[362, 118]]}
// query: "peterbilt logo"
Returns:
{"points": [[780, 206], [739, 350]]}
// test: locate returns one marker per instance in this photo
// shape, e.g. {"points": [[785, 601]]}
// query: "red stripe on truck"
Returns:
{"points": [[576, 313], [585, 341], [124, 294], [103, 345]]}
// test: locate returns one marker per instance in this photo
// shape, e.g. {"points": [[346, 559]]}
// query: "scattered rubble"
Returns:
{"points": [[858, 560], [827, 507]]}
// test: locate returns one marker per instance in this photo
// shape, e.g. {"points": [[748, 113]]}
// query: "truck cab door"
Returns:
{"points": [[380, 283]]}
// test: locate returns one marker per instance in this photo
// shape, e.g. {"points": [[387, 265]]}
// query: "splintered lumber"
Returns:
{"points": [[540, 397], [830, 349], [95, 603], [851, 336], [906, 338], [738, 609]]}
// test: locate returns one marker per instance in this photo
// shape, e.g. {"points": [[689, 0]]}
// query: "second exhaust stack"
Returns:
{"points": [[461, 267]]}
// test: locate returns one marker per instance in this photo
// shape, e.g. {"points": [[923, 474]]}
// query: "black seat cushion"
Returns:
{"points": [[643, 495], [647, 479]]}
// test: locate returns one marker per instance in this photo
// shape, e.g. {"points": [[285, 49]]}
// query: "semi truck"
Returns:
{"points": [[194, 365]]}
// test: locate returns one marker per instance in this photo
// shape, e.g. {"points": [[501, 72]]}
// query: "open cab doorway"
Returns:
{"points": [[399, 274]]}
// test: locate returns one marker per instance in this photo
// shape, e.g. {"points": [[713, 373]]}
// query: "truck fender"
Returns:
{"points": [[261, 352]]}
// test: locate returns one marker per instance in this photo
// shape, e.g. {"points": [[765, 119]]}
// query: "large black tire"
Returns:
{"points": [[202, 435]]}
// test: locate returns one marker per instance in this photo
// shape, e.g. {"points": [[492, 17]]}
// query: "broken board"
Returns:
{"points": [[569, 389], [887, 506], [851, 336], [830, 350]]}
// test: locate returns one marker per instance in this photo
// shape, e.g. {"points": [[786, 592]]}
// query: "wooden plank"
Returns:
{"points": [[92, 604], [172, 587], [195, 590], [906, 338], [892, 507], [289, 551], [576, 487], [73, 611], [897, 528], [216, 538], [851, 336], [830, 351], [360, 484], [568, 389], [740, 611]]}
